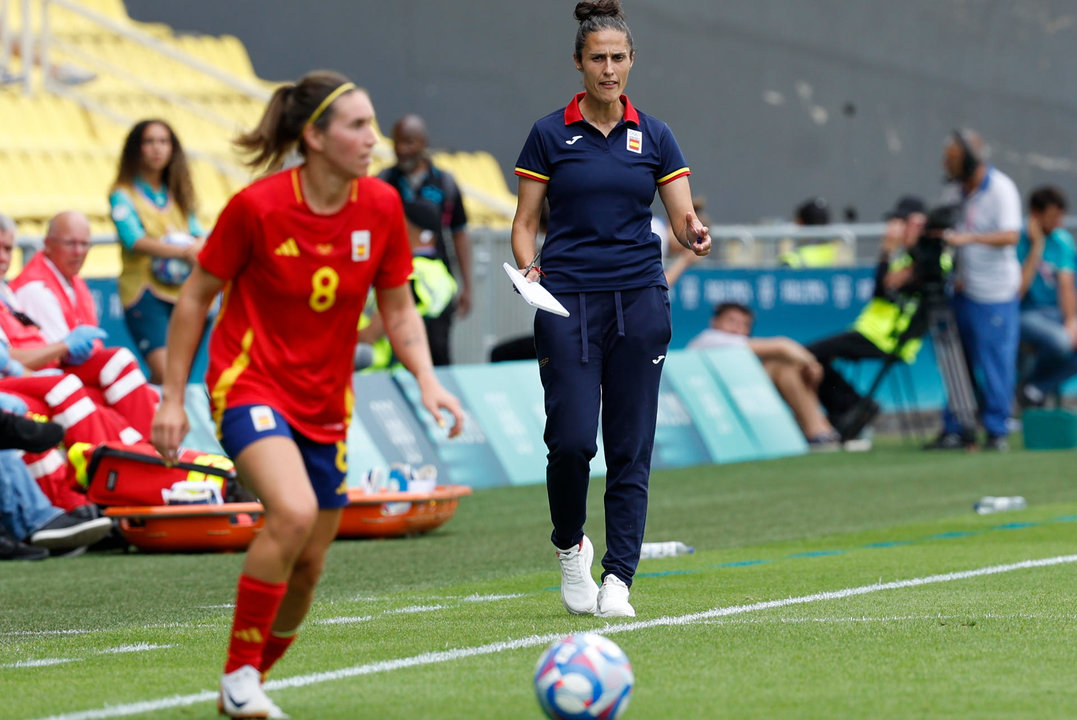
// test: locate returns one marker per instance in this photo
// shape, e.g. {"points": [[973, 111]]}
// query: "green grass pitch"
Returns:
{"points": [[825, 586]]}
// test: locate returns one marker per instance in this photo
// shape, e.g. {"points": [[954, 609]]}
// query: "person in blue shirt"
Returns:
{"points": [[1048, 296], [598, 162], [153, 208]]}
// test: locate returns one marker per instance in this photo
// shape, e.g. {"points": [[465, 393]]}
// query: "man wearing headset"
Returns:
{"points": [[986, 285]]}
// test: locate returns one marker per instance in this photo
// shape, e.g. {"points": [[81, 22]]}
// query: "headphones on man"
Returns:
{"points": [[969, 159]]}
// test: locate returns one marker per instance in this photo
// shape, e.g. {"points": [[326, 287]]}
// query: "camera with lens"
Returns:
{"points": [[929, 277]]}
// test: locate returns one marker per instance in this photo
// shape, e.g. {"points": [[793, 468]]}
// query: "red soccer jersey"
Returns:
{"points": [[296, 285]]}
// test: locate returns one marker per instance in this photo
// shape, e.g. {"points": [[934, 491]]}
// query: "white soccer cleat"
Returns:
{"points": [[579, 591], [613, 599], [242, 696]]}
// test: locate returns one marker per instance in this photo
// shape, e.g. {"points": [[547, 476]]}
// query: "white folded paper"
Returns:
{"points": [[534, 294]]}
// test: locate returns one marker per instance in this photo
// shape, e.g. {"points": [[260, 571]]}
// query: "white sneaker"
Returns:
{"points": [[579, 591], [242, 696], [613, 599]]}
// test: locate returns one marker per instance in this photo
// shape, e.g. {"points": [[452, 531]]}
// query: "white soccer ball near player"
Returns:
{"points": [[584, 676], [172, 271]]}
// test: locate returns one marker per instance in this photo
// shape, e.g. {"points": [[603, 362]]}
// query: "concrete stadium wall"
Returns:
{"points": [[772, 100]]}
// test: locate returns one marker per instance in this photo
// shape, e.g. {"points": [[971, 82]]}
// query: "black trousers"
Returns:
{"points": [[835, 392]]}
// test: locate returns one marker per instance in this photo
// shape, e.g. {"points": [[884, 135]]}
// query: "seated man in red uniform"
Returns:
{"points": [[64, 331], [53, 394]]}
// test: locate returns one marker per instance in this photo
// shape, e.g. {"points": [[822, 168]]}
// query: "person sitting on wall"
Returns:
{"points": [[791, 367]]}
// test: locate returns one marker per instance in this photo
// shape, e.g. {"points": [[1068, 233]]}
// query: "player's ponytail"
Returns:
{"points": [[292, 106], [598, 15]]}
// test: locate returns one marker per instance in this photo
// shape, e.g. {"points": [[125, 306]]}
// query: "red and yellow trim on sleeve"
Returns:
{"points": [[228, 378], [296, 185], [674, 175], [532, 175]]}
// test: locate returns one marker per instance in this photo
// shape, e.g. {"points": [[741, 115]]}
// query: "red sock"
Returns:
{"points": [[257, 603], [274, 649]]}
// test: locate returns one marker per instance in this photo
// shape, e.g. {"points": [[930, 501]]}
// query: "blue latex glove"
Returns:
{"points": [[80, 343], [9, 366], [12, 404]]}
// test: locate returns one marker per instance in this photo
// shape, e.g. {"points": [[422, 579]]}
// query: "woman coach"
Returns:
{"points": [[598, 162]]}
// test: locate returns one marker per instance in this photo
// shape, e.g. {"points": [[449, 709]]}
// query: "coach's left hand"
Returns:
{"points": [[697, 235]]}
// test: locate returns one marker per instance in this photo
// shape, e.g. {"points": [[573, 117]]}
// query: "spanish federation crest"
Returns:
{"points": [[635, 141], [360, 245]]}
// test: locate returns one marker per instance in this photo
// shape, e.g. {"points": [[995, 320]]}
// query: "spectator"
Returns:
{"points": [[988, 278], [429, 190], [51, 292], [25, 512], [793, 369], [880, 327], [74, 341], [432, 286], [1048, 297], [62, 397], [153, 204], [812, 252]]}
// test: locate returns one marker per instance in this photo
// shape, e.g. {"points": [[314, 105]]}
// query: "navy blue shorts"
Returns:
{"points": [[326, 463], [147, 321]]}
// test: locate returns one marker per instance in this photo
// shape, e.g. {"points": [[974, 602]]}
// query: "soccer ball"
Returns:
{"points": [[172, 271], [584, 676]]}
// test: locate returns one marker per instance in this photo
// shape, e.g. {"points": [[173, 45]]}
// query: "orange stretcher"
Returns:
{"points": [[398, 514], [232, 526]]}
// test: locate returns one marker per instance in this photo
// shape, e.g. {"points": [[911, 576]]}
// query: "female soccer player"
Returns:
{"points": [[295, 254], [153, 204], [598, 162]]}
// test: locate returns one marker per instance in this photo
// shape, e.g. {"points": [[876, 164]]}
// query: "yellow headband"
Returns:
{"points": [[329, 101]]}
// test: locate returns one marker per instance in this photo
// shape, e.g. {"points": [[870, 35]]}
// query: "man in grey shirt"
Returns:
{"points": [[986, 284]]}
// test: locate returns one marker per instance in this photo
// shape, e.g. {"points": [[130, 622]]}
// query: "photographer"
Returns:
{"points": [[987, 280], [882, 328]]}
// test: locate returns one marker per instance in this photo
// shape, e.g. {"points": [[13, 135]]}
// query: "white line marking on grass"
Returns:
{"points": [[344, 620], [433, 658], [121, 628], [35, 633], [43, 662], [491, 598], [137, 647], [414, 609], [892, 618]]}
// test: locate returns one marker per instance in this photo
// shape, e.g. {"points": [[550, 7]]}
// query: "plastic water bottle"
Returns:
{"points": [[664, 549], [991, 504]]}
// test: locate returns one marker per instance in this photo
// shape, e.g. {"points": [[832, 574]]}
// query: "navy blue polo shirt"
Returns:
{"points": [[600, 190]]}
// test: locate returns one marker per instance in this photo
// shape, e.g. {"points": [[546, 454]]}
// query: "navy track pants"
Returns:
{"points": [[607, 358]]}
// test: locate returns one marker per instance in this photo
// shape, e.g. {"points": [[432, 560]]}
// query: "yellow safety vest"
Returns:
{"points": [[136, 274], [434, 288]]}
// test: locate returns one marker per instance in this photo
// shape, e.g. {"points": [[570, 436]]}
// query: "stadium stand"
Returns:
{"points": [[61, 141]]}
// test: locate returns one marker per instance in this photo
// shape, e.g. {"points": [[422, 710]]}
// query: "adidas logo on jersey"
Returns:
{"points": [[288, 248]]}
